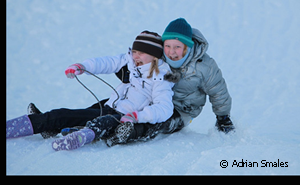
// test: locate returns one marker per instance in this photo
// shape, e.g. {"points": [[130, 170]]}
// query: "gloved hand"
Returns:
{"points": [[130, 117], [224, 124], [74, 69]]}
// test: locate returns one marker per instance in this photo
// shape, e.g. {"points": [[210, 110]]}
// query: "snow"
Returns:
{"points": [[255, 43]]}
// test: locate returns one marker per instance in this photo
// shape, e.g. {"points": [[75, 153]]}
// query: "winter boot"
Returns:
{"points": [[74, 140], [32, 109], [121, 135], [19, 127]]}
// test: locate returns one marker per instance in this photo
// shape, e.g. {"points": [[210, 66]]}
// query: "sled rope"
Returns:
{"points": [[113, 104]]}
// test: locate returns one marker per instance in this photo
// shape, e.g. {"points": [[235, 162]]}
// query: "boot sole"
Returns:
{"points": [[69, 142], [122, 133]]}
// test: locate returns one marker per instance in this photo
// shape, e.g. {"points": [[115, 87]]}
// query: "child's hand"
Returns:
{"points": [[224, 124], [130, 117], [74, 69]]}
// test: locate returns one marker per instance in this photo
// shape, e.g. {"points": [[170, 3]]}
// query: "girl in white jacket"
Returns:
{"points": [[147, 98]]}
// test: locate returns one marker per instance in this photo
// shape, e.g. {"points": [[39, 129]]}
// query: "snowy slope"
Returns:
{"points": [[255, 43]]}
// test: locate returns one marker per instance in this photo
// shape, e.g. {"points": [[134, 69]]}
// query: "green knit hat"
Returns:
{"points": [[181, 30]]}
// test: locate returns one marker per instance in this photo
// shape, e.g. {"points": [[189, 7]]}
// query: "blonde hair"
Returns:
{"points": [[184, 50], [153, 67]]}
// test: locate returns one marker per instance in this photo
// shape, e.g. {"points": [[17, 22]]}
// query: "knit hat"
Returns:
{"points": [[150, 43], [181, 30]]}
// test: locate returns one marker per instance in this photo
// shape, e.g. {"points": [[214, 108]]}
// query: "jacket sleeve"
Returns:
{"points": [[215, 87], [105, 65], [162, 107]]}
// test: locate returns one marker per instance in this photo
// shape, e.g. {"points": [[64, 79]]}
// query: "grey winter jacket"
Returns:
{"points": [[199, 76]]}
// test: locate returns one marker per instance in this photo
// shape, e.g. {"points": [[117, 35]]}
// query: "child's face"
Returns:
{"points": [[173, 49], [141, 58]]}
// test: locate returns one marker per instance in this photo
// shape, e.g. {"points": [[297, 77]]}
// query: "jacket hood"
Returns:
{"points": [[199, 49]]}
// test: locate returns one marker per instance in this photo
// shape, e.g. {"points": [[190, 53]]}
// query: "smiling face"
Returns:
{"points": [[174, 49], [141, 58]]}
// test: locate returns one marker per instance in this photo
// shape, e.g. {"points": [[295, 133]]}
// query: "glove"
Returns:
{"points": [[130, 117], [224, 124], [74, 69]]}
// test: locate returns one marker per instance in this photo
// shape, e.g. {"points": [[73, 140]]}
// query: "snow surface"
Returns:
{"points": [[255, 43]]}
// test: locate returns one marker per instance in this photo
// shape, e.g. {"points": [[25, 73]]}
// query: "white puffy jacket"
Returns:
{"points": [[150, 97]]}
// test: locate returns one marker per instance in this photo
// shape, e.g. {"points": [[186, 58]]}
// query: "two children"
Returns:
{"points": [[147, 98]]}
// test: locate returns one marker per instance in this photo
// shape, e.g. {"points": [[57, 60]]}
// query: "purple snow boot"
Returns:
{"points": [[74, 140], [19, 127]]}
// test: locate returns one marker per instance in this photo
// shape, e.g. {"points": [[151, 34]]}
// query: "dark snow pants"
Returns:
{"points": [[57, 119], [145, 131]]}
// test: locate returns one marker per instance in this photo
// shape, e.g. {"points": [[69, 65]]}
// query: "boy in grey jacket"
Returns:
{"points": [[196, 74]]}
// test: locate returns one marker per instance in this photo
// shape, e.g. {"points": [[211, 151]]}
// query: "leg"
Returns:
{"points": [[61, 118], [32, 109], [104, 126], [129, 132], [49, 121], [101, 125], [145, 131], [98, 128]]}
